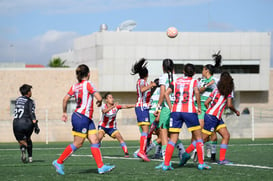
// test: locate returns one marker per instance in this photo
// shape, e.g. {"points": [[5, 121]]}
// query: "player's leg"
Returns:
{"points": [[123, 145], [95, 150], [179, 145], [101, 134], [169, 151], [224, 145], [29, 149], [19, 133], [213, 144]]}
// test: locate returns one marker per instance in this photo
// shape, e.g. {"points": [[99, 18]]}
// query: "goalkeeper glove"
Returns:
{"points": [[36, 127]]}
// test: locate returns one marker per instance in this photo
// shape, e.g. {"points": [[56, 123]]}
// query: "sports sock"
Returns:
{"points": [[191, 147], [124, 147], [163, 151], [143, 142], [169, 153], [95, 150], [179, 145], [213, 147], [223, 149], [158, 149], [29, 148], [151, 146], [66, 153], [200, 151]]}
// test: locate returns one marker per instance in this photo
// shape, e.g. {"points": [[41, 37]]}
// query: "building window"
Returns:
{"points": [[237, 69]]}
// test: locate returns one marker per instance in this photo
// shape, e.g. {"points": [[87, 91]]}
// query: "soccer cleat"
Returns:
{"points": [[203, 166], [185, 158], [225, 162], [143, 157], [30, 159], [23, 155], [105, 168], [166, 168], [59, 167], [160, 165], [126, 155]]}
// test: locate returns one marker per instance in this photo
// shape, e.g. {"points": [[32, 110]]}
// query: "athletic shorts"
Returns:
{"points": [[82, 125], [143, 117], [212, 124], [178, 118], [164, 119], [110, 131], [203, 109], [22, 129]]}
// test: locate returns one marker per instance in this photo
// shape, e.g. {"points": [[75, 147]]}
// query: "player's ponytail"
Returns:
{"points": [[140, 68], [82, 71], [217, 59], [168, 67], [225, 84]]}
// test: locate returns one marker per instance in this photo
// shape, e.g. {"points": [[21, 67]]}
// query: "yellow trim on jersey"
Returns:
{"points": [[175, 130], [220, 126], [206, 132], [113, 135], [82, 135], [194, 128], [93, 131], [143, 123]]}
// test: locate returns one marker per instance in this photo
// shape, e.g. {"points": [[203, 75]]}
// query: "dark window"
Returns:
{"points": [[238, 69]]}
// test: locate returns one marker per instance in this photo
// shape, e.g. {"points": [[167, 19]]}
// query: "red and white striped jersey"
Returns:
{"points": [[218, 104], [83, 93], [143, 98], [184, 95], [108, 120]]}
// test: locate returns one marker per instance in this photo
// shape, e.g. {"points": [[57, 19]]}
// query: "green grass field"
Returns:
{"points": [[252, 161]]}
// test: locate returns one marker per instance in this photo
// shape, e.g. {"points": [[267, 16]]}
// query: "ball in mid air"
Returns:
{"points": [[172, 32]]}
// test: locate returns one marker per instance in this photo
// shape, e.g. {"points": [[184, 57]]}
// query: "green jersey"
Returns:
{"points": [[205, 95]]}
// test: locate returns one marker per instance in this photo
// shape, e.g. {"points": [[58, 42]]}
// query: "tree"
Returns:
{"points": [[57, 62]]}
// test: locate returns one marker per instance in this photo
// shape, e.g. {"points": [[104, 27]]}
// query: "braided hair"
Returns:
{"points": [[168, 67]]}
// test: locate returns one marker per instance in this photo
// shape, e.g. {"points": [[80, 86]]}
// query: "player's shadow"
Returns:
{"points": [[88, 171]]}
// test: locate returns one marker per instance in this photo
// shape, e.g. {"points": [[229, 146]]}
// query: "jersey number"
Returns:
{"points": [[18, 113]]}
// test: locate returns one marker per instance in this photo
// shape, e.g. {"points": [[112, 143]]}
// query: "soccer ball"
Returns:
{"points": [[172, 32]]}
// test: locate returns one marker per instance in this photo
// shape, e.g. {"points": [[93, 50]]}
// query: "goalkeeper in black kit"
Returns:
{"points": [[25, 122]]}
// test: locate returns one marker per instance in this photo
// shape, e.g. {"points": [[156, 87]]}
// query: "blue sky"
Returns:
{"points": [[32, 30]]}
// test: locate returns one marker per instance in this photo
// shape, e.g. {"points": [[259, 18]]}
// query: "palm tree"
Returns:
{"points": [[57, 62]]}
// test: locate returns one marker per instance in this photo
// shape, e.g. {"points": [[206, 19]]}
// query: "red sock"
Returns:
{"points": [[200, 152], [222, 155], [143, 143], [124, 147], [66, 153], [190, 148], [168, 154], [97, 155]]}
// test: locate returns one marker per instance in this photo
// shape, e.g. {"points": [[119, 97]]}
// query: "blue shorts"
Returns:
{"points": [[82, 125], [110, 131], [143, 117], [212, 124], [178, 118]]}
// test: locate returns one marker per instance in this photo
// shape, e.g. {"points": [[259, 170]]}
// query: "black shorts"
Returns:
{"points": [[22, 129]]}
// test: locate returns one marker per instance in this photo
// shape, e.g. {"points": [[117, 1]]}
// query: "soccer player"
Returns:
{"points": [[108, 123], [25, 121], [216, 104], [162, 108], [184, 110], [142, 104], [206, 85], [83, 126]]}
